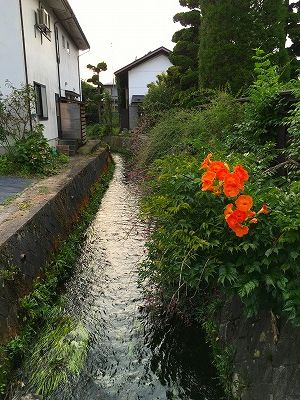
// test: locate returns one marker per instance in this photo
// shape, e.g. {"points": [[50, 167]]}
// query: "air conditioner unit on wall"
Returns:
{"points": [[42, 19]]}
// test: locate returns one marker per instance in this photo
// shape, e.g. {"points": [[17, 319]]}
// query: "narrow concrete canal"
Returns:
{"points": [[131, 355]]}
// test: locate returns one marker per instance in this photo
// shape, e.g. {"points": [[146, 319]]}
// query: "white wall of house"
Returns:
{"points": [[40, 56], [11, 45], [145, 73], [68, 63], [41, 62]]}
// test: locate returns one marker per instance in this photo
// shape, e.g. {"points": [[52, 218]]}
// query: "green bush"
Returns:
{"points": [[95, 131], [115, 123], [27, 150], [192, 250], [178, 129], [32, 155], [98, 131], [292, 152], [159, 97], [6, 165]]}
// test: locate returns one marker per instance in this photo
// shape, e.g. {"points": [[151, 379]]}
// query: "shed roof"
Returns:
{"points": [[68, 20], [146, 57], [137, 98]]}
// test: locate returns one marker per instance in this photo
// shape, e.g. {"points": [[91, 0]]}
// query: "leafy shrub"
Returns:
{"points": [[91, 100], [292, 151], [115, 123], [33, 155], [265, 109], [178, 128], [98, 131], [15, 119], [193, 250], [159, 97], [27, 150], [95, 131], [6, 165], [195, 98]]}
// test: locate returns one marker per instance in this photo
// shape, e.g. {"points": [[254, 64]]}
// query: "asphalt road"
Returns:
{"points": [[11, 186]]}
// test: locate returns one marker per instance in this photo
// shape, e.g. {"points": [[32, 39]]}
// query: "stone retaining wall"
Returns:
{"points": [[266, 364], [28, 240]]}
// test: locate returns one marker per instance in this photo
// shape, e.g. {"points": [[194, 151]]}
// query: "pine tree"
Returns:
{"points": [[293, 31], [95, 80], [184, 73], [230, 31]]}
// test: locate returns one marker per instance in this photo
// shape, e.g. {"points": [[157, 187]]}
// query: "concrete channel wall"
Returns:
{"points": [[30, 234], [266, 359]]}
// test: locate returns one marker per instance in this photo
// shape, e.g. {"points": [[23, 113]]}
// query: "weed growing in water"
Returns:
{"points": [[58, 353]]}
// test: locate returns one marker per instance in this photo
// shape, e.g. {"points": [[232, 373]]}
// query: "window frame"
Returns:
{"points": [[41, 101], [47, 31]]}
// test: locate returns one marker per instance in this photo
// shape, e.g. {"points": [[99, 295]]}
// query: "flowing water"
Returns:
{"points": [[131, 355]]}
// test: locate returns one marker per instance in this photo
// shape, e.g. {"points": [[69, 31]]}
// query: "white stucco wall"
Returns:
{"points": [[40, 55], [11, 47], [68, 63], [145, 73], [41, 62]]}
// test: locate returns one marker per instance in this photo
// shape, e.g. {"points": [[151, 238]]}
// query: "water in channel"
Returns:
{"points": [[131, 356]]}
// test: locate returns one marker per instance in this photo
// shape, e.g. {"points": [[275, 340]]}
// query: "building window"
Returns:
{"points": [[63, 42], [43, 21], [68, 47], [41, 101]]}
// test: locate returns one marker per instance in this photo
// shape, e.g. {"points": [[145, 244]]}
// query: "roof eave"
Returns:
{"points": [[68, 20], [146, 57]]}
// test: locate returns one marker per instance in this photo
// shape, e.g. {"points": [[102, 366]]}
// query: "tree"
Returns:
{"points": [[91, 99], [230, 31], [160, 95], [293, 32], [95, 80], [184, 57], [107, 114]]}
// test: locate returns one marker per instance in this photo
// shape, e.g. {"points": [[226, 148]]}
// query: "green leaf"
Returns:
{"points": [[294, 255], [269, 281], [269, 252], [247, 288]]}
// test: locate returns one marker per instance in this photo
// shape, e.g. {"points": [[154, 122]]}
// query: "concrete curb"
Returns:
{"points": [[28, 238]]}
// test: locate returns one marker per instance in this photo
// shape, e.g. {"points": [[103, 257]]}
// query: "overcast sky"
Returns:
{"points": [[119, 31]]}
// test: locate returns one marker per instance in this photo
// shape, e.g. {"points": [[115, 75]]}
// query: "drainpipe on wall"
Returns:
{"points": [[25, 58], [57, 55], [58, 113]]}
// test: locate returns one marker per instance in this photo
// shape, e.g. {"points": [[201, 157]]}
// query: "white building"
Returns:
{"points": [[133, 80], [39, 45]]}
